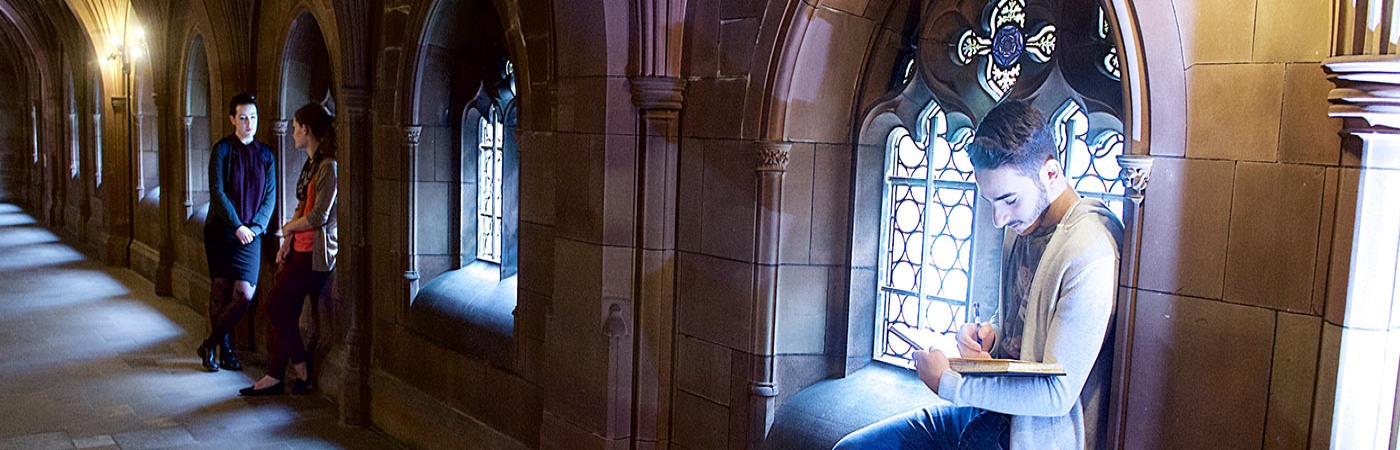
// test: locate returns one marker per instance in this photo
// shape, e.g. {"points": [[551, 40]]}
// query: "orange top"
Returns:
{"points": [[302, 240]]}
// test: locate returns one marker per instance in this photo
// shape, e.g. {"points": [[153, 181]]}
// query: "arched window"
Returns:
{"points": [[485, 133], [74, 140], [939, 256], [197, 127]]}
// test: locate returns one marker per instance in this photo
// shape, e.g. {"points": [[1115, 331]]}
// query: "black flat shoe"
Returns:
{"points": [[206, 358], [249, 391], [227, 361], [301, 386]]}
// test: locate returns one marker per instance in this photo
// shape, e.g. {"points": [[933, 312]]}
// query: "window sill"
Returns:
{"points": [[822, 414], [470, 311]]}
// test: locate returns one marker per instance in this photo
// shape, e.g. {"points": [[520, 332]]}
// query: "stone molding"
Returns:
{"points": [[1367, 95], [657, 92], [772, 156], [279, 127], [411, 134], [1136, 171]]}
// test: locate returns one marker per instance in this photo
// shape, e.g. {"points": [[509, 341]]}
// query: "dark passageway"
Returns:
{"points": [[90, 357]]}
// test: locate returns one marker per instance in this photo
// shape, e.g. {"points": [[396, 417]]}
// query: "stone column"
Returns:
{"points": [[279, 146], [1367, 98], [410, 209], [1135, 172], [189, 194], [772, 158], [659, 100], [354, 259]]}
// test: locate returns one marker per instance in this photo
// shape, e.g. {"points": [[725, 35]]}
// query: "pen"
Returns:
{"points": [[977, 323]]}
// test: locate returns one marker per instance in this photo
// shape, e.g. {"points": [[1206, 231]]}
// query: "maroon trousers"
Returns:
{"points": [[294, 282]]}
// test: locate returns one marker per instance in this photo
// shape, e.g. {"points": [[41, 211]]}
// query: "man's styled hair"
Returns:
{"points": [[243, 98], [1014, 133]]}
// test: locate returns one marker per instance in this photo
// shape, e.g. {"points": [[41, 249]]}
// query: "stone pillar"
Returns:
{"points": [[410, 210], [1367, 98], [772, 158], [658, 100], [120, 209], [189, 194], [1135, 172], [279, 147], [354, 259]]}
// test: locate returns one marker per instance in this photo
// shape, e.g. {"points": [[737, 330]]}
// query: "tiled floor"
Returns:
{"points": [[90, 357]]}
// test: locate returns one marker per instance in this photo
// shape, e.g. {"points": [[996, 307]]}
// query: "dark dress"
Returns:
{"points": [[242, 187]]}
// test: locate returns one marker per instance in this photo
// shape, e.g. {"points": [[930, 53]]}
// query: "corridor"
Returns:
{"points": [[90, 357]]}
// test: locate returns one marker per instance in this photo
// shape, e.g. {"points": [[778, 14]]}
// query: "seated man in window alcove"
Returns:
{"points": [[1057, 289]]}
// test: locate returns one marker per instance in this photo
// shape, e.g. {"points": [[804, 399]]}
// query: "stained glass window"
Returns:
{"points": [[1006, 40], [926, 259], [1109, 65], [490, 144]]}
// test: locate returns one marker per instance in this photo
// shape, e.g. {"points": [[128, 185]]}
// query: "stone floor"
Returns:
{"points": [[90, 357]]}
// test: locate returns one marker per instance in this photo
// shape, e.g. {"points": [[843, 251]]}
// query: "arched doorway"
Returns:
{"points": [[306, 78], [197, 139]]}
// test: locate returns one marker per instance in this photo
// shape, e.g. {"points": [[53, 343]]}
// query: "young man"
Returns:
{"points": [[1058, 285], [242, 186]]}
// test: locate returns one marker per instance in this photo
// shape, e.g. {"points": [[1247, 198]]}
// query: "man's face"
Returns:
{"points": [[1017, 199], [245, 121]]}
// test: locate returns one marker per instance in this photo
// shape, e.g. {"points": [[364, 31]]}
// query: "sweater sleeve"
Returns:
{"points": [[327, 180], [269, 195], [1075, 337], [220, 207]]}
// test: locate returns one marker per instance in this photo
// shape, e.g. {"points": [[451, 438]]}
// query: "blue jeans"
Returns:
{"points": [[942, 427]]}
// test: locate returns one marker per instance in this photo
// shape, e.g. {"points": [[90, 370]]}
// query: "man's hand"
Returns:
{"points": [[931, 365], [975, 340], [244, 235]]}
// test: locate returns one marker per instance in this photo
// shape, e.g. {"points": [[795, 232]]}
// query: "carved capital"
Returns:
{"points": [[279, 127], [657, 92], [189, 121], [411, 134], [1136, 172], [615, 326], [1367, 93], [772, 156]]}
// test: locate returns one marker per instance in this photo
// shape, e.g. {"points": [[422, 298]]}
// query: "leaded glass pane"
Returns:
{"points": [[1091, 166], [926, 262], [489, 150]]}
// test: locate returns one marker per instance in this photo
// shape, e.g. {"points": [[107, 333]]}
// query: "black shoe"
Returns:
{"points": [[249, 391], [227, 361], [206, 357], [301, 386]]}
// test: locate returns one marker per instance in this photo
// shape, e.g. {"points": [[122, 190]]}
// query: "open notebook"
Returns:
{"points": [[980, 366]]}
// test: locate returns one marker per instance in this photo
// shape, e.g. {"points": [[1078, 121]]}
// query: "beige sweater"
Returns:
{"points": [[322, 215], [1069, 317]]}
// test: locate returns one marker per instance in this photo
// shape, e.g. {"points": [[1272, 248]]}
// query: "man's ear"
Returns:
{"points": [[1051, 171]]}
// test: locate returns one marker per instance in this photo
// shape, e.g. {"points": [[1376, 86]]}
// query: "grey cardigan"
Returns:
{"points": [[326, 181], [1069, 314]]}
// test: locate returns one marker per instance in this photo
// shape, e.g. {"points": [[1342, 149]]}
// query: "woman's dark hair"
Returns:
{"points": [[1014, 133], [243, 98], [319, 122]]}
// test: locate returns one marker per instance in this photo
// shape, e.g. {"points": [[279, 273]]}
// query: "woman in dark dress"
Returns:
{"points": [[242, 186], [308, 253]]}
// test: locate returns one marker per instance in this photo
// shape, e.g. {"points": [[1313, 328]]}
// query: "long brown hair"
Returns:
{"points": [[320, 123]]}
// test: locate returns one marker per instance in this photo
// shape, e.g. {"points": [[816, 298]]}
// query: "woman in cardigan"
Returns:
{"points": [[242, 186], [308, 253]]}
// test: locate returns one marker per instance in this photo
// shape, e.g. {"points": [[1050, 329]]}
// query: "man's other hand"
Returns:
{"points": [[931, 365]]}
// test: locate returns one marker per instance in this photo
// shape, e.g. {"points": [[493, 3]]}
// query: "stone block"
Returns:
{"points": [[578, 201], [1308, 135], [1186, 227], [715, 300], [729, 199], [802, 309], [1291, 386], [1273, 235], [831, 204], [1179, 398], [1242, 128], [797, 214], [705, 424], [1215, 31], [702, 369], [737, 39], [620, 189], [825, 77], [1286, 31]]}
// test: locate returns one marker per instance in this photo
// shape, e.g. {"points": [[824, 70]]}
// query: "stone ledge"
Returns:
{"points": [[822, 414], [470, 311]]}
